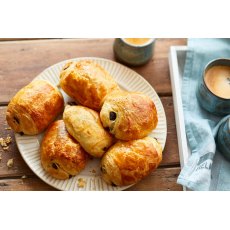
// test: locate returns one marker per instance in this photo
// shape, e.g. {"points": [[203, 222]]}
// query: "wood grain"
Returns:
{"points": [[28, 184], [163, 179], [160, 180], [22, 61]]}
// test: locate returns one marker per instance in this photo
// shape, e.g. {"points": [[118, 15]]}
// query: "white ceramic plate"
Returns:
{"points": [[127, 79]]}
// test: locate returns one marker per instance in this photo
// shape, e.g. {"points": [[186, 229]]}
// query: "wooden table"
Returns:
{"points": [[21, 61]]}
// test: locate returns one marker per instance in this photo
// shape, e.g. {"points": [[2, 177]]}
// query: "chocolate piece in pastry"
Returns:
{"points": [[61, 155], [129, 115], [87, 83], [34, 107], [85, 126], [126, 163]]}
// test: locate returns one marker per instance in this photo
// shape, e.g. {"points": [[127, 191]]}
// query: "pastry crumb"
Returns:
{"points": [[4, 142], [7, 128], [8, 139], [81, 183], [93, 171], [24, 177], [10, 163]]}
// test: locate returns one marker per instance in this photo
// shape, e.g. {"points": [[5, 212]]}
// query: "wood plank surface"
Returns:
{"points": [[21, 61], [163, 179], [28, 184]]}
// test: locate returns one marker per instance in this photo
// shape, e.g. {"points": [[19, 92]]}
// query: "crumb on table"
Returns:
{"points": [[5, 148], [81, 183], [8, 139], [4, 142], [10, 163], [24, 177]]}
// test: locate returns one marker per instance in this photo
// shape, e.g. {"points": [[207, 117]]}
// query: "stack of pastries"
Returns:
{"points": [[106, 123]]}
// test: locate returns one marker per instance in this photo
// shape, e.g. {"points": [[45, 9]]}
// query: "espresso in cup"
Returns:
{"points": [[213, 91], [217, 79], [137, 41]]}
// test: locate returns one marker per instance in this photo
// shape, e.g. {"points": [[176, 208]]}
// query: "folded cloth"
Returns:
{"points": [[206, 168]]}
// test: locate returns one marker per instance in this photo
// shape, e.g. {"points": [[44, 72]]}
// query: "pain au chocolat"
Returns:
{"points": [[87, 83], [34, 107], [129, 115], [85, 126], [127, 162], [61, 155]]}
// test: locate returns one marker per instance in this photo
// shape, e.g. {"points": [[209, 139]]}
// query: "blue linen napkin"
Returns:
{"points": [[206, 169]]}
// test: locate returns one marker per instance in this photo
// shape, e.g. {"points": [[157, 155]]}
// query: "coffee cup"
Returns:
{"points": [[223, 139], [213, 91], [133, 51]]}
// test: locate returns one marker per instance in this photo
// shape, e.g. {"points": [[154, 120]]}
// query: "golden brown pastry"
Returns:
{"points": [[129, 116], [126, 163], [34, 107], [85, 126], [61, 155], [87, 83]]}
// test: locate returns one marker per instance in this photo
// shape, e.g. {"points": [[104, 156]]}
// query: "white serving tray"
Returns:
{"points": [[177, 56]]}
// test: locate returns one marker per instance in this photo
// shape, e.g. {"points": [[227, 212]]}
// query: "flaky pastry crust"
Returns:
{"points": [[85, 126], [129, 115], [87, 83], [61, 155], [126, 163], [34, 107]]}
